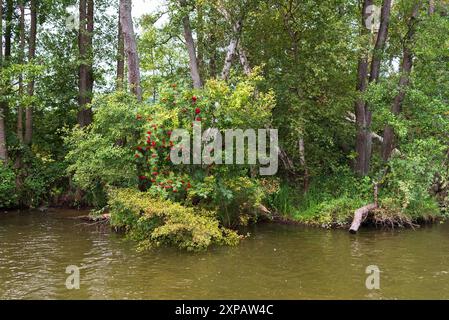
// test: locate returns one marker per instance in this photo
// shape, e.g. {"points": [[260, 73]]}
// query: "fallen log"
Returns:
{"points": [[103, 217], [360, 215]]}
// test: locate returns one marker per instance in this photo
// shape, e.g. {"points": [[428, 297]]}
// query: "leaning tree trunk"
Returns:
{"points": [[380, 41], [31, 55], [190, 44], [406, 68], [244, 60], [361, 214], [130, 48], [232, 48]]}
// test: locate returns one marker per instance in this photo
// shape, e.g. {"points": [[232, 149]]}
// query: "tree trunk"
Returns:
{"points": [[381, 40], [363, 113], [21, 61], [31, 55], [120, 57], [90, 52], [431, 7], [213, 59], [361, 213], [190, 44], [8, 28], [302, 159], [5, 58], [3, 150], [244, 60], [85, 82], [359, 216], [232, 48], [364, 140], [130, 48], [200, 39], [406, 68], [1, 34]]}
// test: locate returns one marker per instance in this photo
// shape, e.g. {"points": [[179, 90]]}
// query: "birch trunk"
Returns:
{"points": [[232, 48], [244, 60]]}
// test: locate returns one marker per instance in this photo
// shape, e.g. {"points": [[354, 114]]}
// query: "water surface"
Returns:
{"points": [[276, 262]]}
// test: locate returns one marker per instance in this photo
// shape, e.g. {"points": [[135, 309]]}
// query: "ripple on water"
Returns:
{"points": [[277, 261]]}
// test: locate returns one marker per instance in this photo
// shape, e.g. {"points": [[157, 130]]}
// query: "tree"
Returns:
{"points": [[120, 57], [362, 110], [132, 55], [31, 55], [86, 81], [406, 68], [3, 147], [190, 44], [232, 48], [21, 61]]}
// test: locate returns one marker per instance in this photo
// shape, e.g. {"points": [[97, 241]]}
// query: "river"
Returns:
{"points": [[275, 262]]}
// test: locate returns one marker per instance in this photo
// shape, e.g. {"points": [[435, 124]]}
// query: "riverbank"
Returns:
{"points": [[339, 213]]}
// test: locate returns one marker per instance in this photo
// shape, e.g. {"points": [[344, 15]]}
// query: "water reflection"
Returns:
{"points": [[278, 261]]}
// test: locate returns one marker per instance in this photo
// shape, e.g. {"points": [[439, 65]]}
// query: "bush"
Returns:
{"points": [[101, 155], [8, 196], [331, 213], [154, 222]]}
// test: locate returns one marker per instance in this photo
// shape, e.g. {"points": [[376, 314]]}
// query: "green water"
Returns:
{"points": [[276, 262]]}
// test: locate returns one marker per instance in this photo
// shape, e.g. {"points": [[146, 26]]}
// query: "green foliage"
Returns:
{"points": [[217, 187], [43, 183], [154, 222], [8, 196], [336, 212], [101, 155], [411, 175], [236, 199]]}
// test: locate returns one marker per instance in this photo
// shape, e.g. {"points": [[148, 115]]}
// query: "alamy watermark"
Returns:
{"points": [[372, 282], [72, 21], [209, 147], [73, 280]]}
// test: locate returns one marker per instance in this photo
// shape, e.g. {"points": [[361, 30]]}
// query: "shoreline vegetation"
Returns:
{"points": [[354, 96]]}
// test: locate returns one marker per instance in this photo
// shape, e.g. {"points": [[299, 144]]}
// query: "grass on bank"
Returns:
{"points": [[334, 208]]}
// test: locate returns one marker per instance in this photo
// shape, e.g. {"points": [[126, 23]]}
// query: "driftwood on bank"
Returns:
{"points": [[361, 213], [101, 218]]}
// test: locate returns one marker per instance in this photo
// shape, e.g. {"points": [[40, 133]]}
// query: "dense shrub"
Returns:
{"points": [[8, 197], [154, 222], [101, 155], [43, 182]]}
